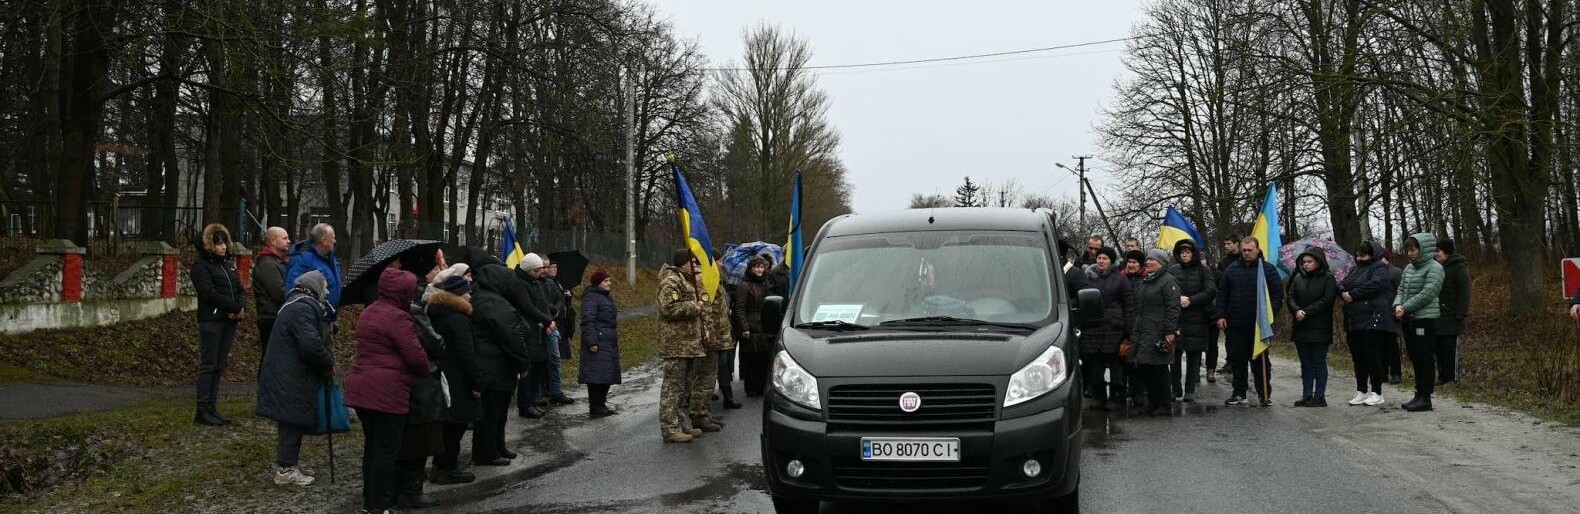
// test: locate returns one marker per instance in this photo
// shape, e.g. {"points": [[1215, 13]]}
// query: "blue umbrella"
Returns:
{"points": [[736, 257]]}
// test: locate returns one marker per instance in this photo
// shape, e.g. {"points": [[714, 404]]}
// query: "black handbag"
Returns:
{"points": [[428, 403]]}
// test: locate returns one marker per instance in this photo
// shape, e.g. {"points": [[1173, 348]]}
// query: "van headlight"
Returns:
{"points": [[794, 382], [1045, 373]]}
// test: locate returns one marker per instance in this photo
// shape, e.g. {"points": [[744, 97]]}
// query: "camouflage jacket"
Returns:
{"points": [[682, 320], [720, 336]]}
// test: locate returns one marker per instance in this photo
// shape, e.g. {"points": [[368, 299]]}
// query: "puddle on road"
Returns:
{"points": [[1103, 429], [735, 478]]}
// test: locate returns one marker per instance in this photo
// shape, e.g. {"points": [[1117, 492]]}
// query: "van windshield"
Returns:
{"points": [[942, 278]]}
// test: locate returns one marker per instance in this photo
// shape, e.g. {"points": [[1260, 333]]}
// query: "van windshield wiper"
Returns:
{"points": [[951, 321], [837, 324]]}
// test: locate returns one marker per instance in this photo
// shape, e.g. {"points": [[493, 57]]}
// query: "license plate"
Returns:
{"points": [[910, 449]]}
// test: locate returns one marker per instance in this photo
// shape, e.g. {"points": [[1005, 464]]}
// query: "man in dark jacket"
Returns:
{"points": [[500, 332], [1198, 288], [220, 306], [268, 283], [1236, 313], [317, 252], [1093, 244], [1454, 304], [297, 365], [1231, 254]]}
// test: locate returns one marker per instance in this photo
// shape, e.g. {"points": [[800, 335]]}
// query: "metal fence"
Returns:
{"points": [[173, 225]]}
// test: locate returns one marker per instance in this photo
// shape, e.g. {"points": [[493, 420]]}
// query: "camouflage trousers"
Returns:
{"points": [[674, 397], [703, 381]]}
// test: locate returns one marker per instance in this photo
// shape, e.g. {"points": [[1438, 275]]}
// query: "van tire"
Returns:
{"points": [[783, 505]]}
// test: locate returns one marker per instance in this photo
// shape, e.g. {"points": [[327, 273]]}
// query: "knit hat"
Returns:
{"points": [[681, 257], [456, 285], [1446, 245], [598, 277], [455, 270], [1158, 255], [531, 262], [1112, 254], [1136, 255]]}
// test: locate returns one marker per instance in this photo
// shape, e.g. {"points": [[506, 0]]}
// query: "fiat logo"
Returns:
{"points": [[909, 402]]}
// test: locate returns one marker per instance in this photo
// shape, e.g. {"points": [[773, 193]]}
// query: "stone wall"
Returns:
{"points": [[60, 288]]}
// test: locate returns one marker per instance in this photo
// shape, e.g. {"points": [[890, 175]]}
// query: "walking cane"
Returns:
{"points": [[330, 433]]}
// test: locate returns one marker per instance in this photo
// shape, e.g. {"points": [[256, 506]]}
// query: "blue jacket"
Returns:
{"points": [[600, 326], [1237, 293], [305, 258], [1371, 288]]}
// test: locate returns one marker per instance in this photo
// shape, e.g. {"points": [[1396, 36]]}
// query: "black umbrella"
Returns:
{"points": [[362, 279], [572, 265]]}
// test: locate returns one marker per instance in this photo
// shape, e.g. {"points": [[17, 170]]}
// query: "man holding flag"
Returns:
{"points": [[1249, 292]]}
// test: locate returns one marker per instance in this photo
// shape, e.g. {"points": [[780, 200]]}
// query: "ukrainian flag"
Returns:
{"points": [[1265, 230], [509, 250], [695, 231], [794, 251], [1176, 227]]}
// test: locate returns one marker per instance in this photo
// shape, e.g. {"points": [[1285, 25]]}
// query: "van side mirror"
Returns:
{"points": [[1089, 307], [773, 314]]}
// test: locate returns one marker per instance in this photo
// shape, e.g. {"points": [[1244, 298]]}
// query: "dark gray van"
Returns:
{"points": [[927, 355]]}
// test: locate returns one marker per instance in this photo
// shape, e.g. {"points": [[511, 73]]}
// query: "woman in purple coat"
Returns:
{"points": [[389, 358], [600, 352]]}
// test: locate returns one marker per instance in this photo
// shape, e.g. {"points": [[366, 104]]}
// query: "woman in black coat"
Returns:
{"points": [[757, 345], [1367, 293], [600, 348], [1100, 345], [1198, 289], [449, 310], [501, 355], [296, 364], [220, 297], [1311, 295]]}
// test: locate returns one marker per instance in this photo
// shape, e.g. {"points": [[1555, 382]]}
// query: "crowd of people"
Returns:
{"points": [[439, 352], [1163, 312]]}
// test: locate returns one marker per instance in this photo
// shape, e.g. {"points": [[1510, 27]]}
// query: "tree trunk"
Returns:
{"points": [[83, 73]]}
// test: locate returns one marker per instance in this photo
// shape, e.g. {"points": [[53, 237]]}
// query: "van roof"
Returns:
{"points": [[950, 218]]}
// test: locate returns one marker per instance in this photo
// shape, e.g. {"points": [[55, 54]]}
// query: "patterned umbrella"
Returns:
{"points": [[737, 256], [362, 278], [1340, 261]]}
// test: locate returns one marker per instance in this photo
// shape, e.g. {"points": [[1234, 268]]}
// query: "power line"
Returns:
{"points": [[936, 59]]}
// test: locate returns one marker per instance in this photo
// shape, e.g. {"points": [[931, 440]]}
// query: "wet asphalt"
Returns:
{"points": [[1206, 457]]}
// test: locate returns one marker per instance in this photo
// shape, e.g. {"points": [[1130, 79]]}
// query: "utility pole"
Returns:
{"points": [[1080, 170], [630, 178]]}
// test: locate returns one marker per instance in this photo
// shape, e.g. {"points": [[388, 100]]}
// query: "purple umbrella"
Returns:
{"points": [[1340, 261]]}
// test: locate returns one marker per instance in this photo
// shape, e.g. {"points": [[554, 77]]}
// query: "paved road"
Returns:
{"points": [[1461, 458]]}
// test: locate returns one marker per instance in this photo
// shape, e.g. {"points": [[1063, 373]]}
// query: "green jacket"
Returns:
{"points": [[682, 317], [1422, 282], [1455, 299]]}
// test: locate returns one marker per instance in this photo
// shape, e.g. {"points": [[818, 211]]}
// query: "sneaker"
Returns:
{"points": [[678, 437], [1236, 400], [1267, 402], [292, 476], [1373, 399], [1360, 398]]}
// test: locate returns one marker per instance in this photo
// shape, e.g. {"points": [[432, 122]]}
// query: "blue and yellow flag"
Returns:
{"points": [[1265, 230], [794, 251], [509, 250], [694, 230], [1177, 227]]}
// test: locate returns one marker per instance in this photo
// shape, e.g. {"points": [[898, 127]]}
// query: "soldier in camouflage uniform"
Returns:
{"points": [[717, 339], [681, 310]]}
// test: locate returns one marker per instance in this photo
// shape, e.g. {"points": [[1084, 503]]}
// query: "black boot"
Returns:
{"points": [[729, 397], [411, 495], [1413, 400], [1421, 403], [205, 416]]}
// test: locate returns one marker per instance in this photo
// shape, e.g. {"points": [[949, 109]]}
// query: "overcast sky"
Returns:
{"points": [[921, 128]]}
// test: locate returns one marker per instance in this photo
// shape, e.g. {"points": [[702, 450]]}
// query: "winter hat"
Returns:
{"points": [[598, 277], [1158, 255], [1446, 245], [456, 285], [531, 262], [1110, 252], [761, 259], [455, 270], [681, 257], [1136, 255], [314, 282]]}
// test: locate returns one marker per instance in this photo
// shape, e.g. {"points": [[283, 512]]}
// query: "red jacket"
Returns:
{"points": [[389, 356]]}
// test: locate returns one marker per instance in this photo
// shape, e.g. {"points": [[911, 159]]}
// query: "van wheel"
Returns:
{"points": [[783, 505], [1067, 504]]}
